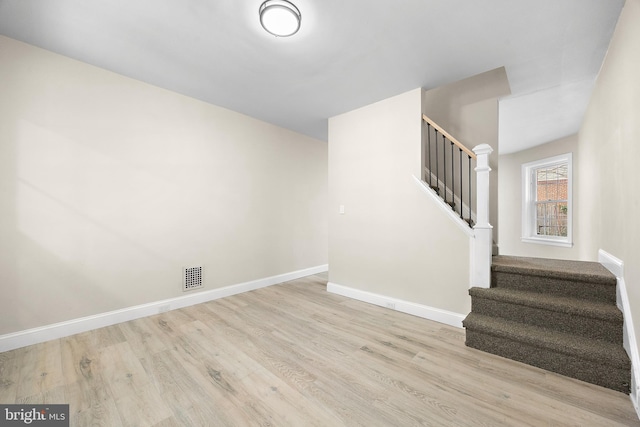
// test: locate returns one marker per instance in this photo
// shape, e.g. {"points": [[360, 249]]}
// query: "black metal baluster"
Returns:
{"points": [[469, 163], [461, 192], [453, 181], [437, 164], [429, 145], [444, 165]]}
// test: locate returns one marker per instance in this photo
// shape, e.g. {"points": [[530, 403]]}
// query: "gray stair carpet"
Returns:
{"points": [[557, 315]]}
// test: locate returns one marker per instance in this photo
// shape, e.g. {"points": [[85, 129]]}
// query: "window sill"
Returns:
{"points": [[549, 242]]}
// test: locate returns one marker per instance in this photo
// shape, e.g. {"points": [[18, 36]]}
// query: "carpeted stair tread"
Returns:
{"points": [[591, 272], [573, 366], [569, 305], [598, 351]]}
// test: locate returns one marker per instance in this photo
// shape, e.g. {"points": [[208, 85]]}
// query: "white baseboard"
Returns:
{"points": [[616, 266], [426, 312], [64, 329]]}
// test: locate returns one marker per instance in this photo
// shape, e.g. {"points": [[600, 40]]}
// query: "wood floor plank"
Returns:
{"points": [[142, 337], [290, 405], [40, 369], [79, 355], [10, 366], [53, 395], [171, 379], [202, 414], [105, 337], [122, 370], [216, 377], [91, 403], [143, 408], [89, 398], [290, 355], [212, 342], [431, 401]]}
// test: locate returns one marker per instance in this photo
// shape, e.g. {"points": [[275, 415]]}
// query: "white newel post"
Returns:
{"points": [[483, 230]]}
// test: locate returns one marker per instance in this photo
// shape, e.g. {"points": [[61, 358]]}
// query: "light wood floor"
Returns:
{"points": [[295, 355]]}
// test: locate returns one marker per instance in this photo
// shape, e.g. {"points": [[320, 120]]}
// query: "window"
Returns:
{"points": [[546, 205]]}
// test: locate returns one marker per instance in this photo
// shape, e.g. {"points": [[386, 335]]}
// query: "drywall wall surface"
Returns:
{"points": [[609, 151], [511, 194], [109, 187], [392, 239]]}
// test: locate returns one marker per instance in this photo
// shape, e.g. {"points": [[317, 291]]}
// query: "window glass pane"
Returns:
{"points": [[542, 184], [551, 200], [552, 182], [551, 219]]}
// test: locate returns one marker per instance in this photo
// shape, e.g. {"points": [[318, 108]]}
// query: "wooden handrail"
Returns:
{"points": [[449, 137]]}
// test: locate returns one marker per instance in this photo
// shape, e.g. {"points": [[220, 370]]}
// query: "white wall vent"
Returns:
{"points": [[192, 278]]}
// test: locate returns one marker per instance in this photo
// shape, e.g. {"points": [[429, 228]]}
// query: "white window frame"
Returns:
{"points": [[529, 234]]}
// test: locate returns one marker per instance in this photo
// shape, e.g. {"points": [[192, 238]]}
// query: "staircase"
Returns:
{"points": [[557, 315], [447, 170]]}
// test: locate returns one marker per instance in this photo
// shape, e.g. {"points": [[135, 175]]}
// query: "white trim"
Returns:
{"points": [[426, 312], [528, 215], [472, 262], [616, 266], [549, 241], [445, 207], [70, 327]]}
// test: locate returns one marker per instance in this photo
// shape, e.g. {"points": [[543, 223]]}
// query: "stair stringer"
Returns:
{"points": [[466, 211], [445, 207]]}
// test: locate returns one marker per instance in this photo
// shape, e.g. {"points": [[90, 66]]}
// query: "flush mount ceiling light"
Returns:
{"points": [[280, 18]]}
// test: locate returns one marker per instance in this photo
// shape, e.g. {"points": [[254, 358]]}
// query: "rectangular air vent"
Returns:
{"points": [[192, 278]]}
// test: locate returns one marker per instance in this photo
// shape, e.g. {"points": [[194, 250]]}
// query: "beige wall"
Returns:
{"points": [[510, 206], [468, 110], [393, 240], [609, 152], [109, 186]]}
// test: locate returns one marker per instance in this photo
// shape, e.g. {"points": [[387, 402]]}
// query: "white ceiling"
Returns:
{"points": [[348, 53]]}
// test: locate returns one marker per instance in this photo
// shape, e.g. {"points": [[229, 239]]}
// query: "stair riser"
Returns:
{"points": [[562, 322], [606, 376], [547, 285]]}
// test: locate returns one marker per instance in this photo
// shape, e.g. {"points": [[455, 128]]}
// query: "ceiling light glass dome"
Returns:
{"points": [[280, 18]]}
